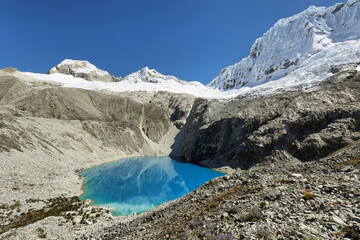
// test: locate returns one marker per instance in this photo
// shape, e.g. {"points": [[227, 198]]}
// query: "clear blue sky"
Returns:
{"points": [[190, 39]]}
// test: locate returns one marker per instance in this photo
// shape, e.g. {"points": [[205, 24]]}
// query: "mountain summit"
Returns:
{"points": [[83, 69], [151, 76], [312, 41], [86, 70]]}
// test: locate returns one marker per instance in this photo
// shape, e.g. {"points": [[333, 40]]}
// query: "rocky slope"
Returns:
{"points": [[305, 45], [314, 200], [293, 125]]}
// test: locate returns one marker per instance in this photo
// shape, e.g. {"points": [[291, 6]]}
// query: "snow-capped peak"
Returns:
{"points": [[151, 76], [292, 42], [82, 69]]}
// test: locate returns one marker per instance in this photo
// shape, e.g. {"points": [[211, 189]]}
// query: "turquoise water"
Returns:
{"points": [[139, 184]]}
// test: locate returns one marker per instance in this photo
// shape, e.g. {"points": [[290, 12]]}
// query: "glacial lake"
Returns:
{"points": [[135, 185]]}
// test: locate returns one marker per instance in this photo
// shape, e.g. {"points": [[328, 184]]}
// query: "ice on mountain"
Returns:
{"points": [[295, 40]]}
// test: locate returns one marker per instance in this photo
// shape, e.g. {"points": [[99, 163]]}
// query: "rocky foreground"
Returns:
{"points": [[312, 200], [294, 155]]}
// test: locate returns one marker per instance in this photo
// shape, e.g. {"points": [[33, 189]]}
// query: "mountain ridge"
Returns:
{"points": [[290, 44]]}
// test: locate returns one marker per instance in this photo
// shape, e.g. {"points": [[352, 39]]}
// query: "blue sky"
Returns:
{"points": [[190, 39]]}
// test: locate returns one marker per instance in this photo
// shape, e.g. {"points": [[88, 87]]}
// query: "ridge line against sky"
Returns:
{"points": [[190, 39]]}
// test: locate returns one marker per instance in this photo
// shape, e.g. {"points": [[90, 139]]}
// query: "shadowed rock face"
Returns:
{"points": [[301, 125]]}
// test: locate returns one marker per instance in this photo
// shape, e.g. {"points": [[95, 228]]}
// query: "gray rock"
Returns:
{"points": [[273, 194], [337, 220], [83, 69], [288, 127]]}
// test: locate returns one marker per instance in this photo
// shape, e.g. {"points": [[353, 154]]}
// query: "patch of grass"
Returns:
{"points": [[41, 232], [233, 210], [352, 232], [213, 236], [183, 235], [307, 195], [264, 233], [77, 171], [15, 205], [283, 181], [4, 206], [339, 233], [354, 161], [56, 207], [254, 215], [262, 204]]}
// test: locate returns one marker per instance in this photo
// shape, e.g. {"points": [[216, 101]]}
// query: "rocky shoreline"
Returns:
{"points": [[311, 200]]}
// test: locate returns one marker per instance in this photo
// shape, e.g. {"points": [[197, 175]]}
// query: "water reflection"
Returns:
{"points": [[139, 184]]}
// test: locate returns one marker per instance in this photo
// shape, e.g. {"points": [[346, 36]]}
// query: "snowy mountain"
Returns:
{"points": [[302, 47], [83, 69], [151, 76], [295, 54], [82, 74]]}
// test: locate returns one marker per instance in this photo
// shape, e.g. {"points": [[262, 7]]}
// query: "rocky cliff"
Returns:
{"points": [[294, 125]]}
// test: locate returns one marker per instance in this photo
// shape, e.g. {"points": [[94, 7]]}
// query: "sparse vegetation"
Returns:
{"points": [[41, 232], [264, 233], [262, 204], [253, 215], [233, 210], [307, 195], [56, 207]]}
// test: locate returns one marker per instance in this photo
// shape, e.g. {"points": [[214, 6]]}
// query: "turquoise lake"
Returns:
{"points": [[135, 185]]}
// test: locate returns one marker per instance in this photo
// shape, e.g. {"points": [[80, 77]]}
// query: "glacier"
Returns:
{"points": [[306, 42], [296, 53]]}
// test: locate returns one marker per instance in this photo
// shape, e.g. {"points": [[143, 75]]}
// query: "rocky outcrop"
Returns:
{"points": [[83, 69], [293, 125]]}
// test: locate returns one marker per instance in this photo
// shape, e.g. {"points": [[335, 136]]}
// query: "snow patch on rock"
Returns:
{"points": [[82, 69]]}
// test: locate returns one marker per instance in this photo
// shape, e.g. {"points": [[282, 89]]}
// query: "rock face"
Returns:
{"points": [[305, 44], [295, 125], [83, 69]]}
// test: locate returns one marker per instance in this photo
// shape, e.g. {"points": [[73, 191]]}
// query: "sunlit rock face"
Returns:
{"points": [[83, 69], [139, 184]]}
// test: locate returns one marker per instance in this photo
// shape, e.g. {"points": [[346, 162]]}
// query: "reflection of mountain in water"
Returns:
{"points": [[139, 184]]}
